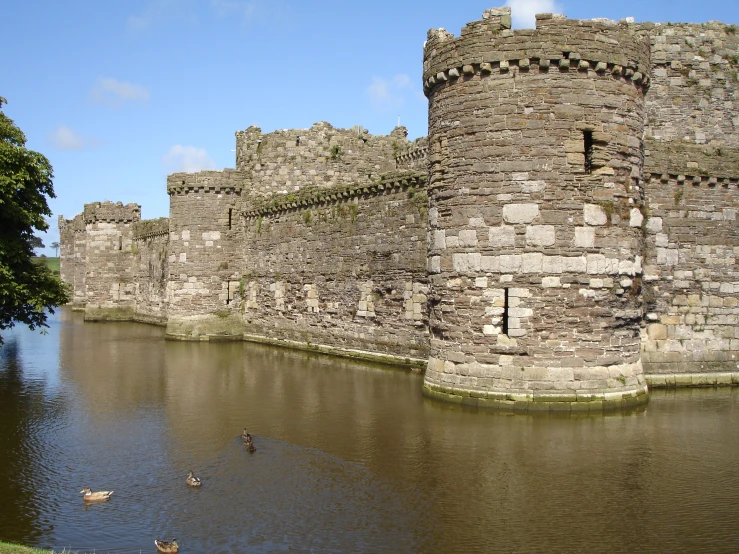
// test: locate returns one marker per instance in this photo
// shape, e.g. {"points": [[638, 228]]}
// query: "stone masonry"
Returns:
{"points": [[564, 237]]}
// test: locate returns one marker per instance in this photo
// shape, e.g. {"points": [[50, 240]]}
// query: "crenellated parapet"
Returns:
{"points": [[596, 49], [415, 156], [111, 212], [391, 183], [322, 156], [226, 181], [151, 228]]}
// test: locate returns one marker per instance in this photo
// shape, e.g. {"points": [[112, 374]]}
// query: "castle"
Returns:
{"points": [[564, 238]]}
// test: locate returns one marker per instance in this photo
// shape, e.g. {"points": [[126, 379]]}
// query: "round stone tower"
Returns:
{"points": [[536, 212]]}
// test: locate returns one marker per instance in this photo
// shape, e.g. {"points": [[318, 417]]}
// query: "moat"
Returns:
{"points": [[350, 457]]}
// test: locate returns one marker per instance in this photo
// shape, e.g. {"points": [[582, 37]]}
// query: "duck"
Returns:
{"points": [[248, 441], [167, 547], [99, 496], [192, 480]]}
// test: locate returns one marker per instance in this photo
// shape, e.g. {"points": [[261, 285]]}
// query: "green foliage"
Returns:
{"points": [[259, 225], [679, 195], [336, 151], [353, 210], [307, 217], [27, 289]]}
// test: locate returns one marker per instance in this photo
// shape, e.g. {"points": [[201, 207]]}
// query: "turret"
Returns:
{"points": [[535, 238]]}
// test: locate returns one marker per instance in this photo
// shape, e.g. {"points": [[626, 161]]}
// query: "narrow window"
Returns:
{"points": [[230, 213], [505, 312], [228, 292], [120, 242], [587, 137]]}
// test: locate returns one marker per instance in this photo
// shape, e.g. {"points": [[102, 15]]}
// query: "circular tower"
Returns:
{"points": [[535, 236]]}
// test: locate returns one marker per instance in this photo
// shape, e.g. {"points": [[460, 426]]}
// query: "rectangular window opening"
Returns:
{"points": [[120, 242], [505, 311], [587, 137], [228, 292], [230, 214]]}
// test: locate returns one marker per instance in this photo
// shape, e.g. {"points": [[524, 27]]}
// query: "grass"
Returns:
{"points": [[53, 265], [8, 548]]}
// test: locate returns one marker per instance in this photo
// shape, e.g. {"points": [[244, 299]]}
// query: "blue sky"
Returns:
{"points": [[117, 94]]}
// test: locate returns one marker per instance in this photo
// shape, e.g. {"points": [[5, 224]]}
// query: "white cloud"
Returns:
{"points": [[225, 8], [523, 11], [65, 138], [188, 159], [157, 11], [113, 93], [387, 95]]}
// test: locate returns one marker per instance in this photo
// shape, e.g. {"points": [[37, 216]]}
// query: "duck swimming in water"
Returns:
{"points": [[167, 547], [99, 496], [248, 441], [192, 480]]}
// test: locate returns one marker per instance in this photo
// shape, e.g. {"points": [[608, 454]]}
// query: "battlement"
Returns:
{"points": [[111, 212], [75, 225], [228, 181], [415, 156], [150, 228], [394, 182], [322, 156], [594, 47]]}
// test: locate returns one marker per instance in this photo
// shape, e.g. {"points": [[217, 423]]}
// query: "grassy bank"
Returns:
{"points": [[51, 263], [7, 548]]}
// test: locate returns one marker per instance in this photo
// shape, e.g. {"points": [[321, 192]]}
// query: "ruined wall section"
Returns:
{"points": [[109, 268], [343, 268], [151, 252], [320, 157], [535, 240], [204, 263], [73, 257]]}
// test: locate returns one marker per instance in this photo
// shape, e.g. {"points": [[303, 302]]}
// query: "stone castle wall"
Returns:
{"points": [[345, 269], [566, 234], [535, 164], [109, 270], [73, 256], [204, 265], [322, 157], [151, 266]]}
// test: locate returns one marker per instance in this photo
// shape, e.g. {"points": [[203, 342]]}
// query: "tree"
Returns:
{"points": [[36, 242], [55, 246], [27, 289]]}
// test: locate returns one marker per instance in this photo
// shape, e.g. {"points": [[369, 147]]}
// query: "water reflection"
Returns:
{"points": [[350, 457]]}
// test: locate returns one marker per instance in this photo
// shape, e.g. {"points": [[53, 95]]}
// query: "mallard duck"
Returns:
{"points": [[248, 441], [192, 480], [168, 547], [99, 496]]}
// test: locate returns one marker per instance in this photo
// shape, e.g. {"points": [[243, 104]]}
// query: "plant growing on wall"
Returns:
{"points": [[336, 151]]}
